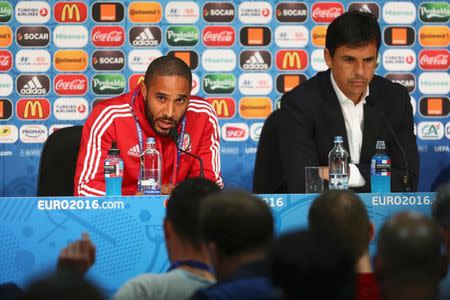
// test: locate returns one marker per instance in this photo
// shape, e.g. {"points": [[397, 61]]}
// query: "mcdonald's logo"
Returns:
{"points": [[70, 12], [225, 107], [292, 60], [135, 80], [33, 109]]}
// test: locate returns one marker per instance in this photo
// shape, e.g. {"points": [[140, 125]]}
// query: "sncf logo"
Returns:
{"points": [[33, 109], [70, 12]]}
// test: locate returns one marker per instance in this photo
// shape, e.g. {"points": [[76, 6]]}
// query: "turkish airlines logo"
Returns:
{"points": [[434, 59], [33, 36], [145, 12], [33, 133], [108, 60], [222, 12], [235, 132], [225, 108], [32, 12], [70, 60], [108, 12], [292, 60], [70, 12], [255, 36], [33, 109], [255, 60], [70, 84], [255, 12], [286, 82], [70, 108], [407, 80], [291, 12], [108, 36], [434, 106], [36, 85], [399, 36], [326, 12], [6, 109], [145, 36], [399, 60], [219, 36], [5, 60]]}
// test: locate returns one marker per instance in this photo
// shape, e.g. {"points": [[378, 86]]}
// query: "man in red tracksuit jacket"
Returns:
{"points": [[161, 102]]}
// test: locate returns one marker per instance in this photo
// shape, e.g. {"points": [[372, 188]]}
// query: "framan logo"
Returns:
{"points": [[326, 12], [219, 36], [292, 60], [145, 12], [108, 12], [255, 108], [135, 80], [108, 36], [286, 82], [225, 107], [436, 59], [318, 35], [70, 60], [434, 36], [33, 109], [70, 84], [70, 12], [5, 60], [6, 36]]}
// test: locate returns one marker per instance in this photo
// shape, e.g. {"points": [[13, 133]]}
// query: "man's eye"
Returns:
{"points": [[160, 98], [182, 100], [348, 59]]}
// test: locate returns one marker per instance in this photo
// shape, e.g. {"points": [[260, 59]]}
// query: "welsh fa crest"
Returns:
{"points": [[186, 143]]}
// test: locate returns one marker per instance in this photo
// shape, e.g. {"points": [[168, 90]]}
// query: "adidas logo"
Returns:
{"points": [[134, 151], [33, 87], [255, 62], [145, 38]]}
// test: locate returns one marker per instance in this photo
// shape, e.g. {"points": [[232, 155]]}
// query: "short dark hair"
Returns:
{"points": [[409, 249], [342, 214], [354, 29], [237, 222], [184, 204], [167, 66], [441, 206], [306, 265]]}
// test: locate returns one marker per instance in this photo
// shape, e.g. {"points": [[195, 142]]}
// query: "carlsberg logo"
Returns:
{"points": [[5, 11], [219, 83], [182, 35], [435, 12], [108, 84]]}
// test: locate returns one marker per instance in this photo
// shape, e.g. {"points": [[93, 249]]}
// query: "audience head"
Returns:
{"points": [[441, 214], [342, 214], [307, 265]]}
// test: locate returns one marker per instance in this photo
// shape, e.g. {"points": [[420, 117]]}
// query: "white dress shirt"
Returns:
{"points": [[354, 118]]}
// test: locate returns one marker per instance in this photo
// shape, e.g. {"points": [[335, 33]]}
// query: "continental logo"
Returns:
{"points": [[286, 82], [434, 36], [71, 60], [189, 57], [292, 60], [145, 12], [70, 12], [33, 36], [106, 12], [6, 109], [33, 109], [222, 12], [225, 107], [434, 106], [255, 108], [135, 80], [399, 36], [6, 36], [5, 11], [255, 36], [291, 12], [318, 34]]}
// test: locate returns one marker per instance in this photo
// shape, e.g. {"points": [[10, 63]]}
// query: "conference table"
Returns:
{"points": [[127, 231]]}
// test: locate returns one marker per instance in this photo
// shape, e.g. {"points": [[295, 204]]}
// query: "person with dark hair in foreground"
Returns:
{"points": [[343, 216], [408, 262], [237, 228], [348, 100], [307, 265], [441, 215], [159, 104]]}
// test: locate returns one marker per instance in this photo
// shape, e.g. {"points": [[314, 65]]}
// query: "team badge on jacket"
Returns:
{"points": [[186, 144]]}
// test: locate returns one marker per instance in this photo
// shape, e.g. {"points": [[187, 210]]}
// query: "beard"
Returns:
{"points": [[152, 121]]}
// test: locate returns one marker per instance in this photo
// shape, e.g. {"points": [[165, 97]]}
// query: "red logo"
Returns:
{"points": [[108, 36], [434, 59], [134, 80], [326, 12], [225, 107], [5, 60], [292, 60], [70, 84], [219, 36], [33, 109], [70, 12]]}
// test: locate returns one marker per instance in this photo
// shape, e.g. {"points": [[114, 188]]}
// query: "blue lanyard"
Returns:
{"points": [[190, 263]]}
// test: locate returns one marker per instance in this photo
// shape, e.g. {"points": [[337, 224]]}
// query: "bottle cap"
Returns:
{"points": [[338, 138], [113, 150], [151, 140], [380, 145]]}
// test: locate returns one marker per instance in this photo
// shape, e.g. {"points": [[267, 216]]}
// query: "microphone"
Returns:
{"points": [[371, 101], [174, 135]]}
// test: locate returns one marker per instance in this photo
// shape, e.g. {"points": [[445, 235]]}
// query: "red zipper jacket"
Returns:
{"points": [[112, 119]]}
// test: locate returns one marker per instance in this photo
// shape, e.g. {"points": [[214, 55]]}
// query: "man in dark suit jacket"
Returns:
{"points": [[350, 101]]}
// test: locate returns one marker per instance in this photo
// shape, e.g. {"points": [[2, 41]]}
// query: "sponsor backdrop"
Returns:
{"points": [[58, 58]]}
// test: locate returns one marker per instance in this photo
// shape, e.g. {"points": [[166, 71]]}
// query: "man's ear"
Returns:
{"points": [[144, 90], [328, 58], [167, 227], [371, 231]]}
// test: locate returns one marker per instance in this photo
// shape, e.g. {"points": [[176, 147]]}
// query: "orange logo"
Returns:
{"points": [[255, 108], [434, 36], [435, 106], [399, 36], [70, 60], [255, 36], [145, 12], [6, 36], [318, 34], [290, 82]]}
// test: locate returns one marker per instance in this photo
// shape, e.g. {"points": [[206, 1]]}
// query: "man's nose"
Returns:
{"points": [[170, 110]]}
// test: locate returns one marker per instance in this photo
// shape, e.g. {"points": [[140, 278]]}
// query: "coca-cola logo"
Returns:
{"points": [[108, 36], [219, 36], [326, 12], [5, 60], [437, 59], [70, 84]]}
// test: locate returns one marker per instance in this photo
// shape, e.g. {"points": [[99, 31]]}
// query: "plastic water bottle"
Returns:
{"points": [[338, 165], [113, 168], [380, 170], [151, 173]]}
